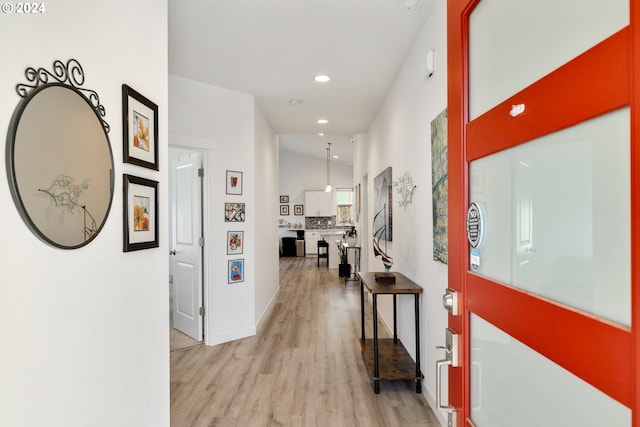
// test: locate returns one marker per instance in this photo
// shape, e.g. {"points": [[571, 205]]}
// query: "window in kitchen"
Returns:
{"points": [[344, 201]]}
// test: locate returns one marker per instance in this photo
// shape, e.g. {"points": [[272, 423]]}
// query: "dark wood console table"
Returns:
{"points": [[387, 358]]}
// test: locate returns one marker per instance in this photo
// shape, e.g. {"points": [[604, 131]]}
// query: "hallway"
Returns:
{"points": [[303, 368]]}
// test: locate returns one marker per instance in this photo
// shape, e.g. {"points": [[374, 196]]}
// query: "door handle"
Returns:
{"points": [[173, 252], [451, 359], [449, 410], [439, 364]]}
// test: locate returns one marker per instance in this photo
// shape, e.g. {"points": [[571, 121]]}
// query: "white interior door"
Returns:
{"points": [[186, 259]]}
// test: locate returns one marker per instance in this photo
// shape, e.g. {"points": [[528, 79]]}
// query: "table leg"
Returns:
{"points": [[418, 373], [376, 368], [362, 308], [395, 319]]}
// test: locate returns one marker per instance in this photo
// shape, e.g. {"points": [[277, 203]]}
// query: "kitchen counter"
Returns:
{"points": [[331, 236]]}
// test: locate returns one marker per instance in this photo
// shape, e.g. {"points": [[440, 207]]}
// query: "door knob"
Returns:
{"points": [[173, 252]]}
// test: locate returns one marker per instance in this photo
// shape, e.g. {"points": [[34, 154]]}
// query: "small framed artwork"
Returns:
{"points": [[298, 209], [284, 209], [234, 182], [234, 212], [140, 213], [139, 129], [235, 242], [236, 270], [284, 199]]}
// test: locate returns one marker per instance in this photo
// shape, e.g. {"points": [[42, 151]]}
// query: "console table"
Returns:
{"points": [[387, 358]]}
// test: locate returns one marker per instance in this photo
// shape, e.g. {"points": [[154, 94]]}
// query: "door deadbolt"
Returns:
{"points": [[450, 301]]}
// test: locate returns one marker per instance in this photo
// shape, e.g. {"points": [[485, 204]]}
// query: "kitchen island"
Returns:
{"points": [[331, 236]]}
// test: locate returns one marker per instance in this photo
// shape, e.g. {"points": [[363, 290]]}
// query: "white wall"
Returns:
{"points": [[299, 173], [230, 128], [400, 137], [266, 171], [85, 332]]}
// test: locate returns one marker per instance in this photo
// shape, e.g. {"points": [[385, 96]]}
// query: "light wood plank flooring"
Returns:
{"points": [[180, 341], [303, 368]]}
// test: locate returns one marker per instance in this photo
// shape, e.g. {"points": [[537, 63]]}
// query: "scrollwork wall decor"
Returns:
{"points": [[405, 188], [69, 74]]}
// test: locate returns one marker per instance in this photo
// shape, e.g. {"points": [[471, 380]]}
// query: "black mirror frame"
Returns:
{"points": [[69, 76]]}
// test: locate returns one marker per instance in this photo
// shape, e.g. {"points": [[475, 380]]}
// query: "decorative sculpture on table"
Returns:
{"points": [[387, 260]]}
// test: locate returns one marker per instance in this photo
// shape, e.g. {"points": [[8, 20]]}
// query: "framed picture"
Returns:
{"points": [[234, 182], [139, 129], [298, 209], [284, 199], [235, 242], [234, 212], [284, 209], [236, 270], [358, 202], [140, 213]]}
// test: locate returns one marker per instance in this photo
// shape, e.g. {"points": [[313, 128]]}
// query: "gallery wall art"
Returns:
{"points": [[236, 271], [140, 129], [234, 212], [235, 242], [383, 206], [140, 212], [439, 187], [234, 182]]}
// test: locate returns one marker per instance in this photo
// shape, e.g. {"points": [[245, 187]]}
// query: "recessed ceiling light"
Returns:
{"points": [[322, 121], [336, 157], [322, 78], [409, 4], [320, 134], [295, 101]]}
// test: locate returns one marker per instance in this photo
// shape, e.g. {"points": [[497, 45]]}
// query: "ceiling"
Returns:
{"points": [[272, 49]]}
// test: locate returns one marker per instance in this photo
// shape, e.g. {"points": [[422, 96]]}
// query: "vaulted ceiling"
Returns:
{"points": [[272, 49]]}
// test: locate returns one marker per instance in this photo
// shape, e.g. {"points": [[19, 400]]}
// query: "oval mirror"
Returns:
{"points": [[59, 159]]}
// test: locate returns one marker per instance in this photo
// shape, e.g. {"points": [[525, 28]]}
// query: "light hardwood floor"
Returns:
{"points": [[303, 368]]}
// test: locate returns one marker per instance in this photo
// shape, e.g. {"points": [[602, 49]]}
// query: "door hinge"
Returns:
{"points": [[201, 242], [201, 172], [201, 311]]}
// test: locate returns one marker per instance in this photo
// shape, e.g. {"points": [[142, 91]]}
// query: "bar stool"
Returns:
{"points": [[323, 251]]}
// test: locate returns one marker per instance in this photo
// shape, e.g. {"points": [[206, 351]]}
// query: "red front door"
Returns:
{"points": [[550, 306]]}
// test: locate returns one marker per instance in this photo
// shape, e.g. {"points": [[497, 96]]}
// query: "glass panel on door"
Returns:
{"points": [[557, 216], [546, 394], [509, 49]]}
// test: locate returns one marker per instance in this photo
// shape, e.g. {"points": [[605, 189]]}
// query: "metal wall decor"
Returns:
{"points": [[58, 156], [71, 75], [405, 188]]}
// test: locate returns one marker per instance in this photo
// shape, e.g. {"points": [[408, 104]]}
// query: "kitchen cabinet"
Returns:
{"points": [[311, 238], [318, 203]]}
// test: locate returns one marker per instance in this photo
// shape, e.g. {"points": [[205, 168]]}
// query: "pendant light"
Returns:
{"points": [[328, 189]]}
